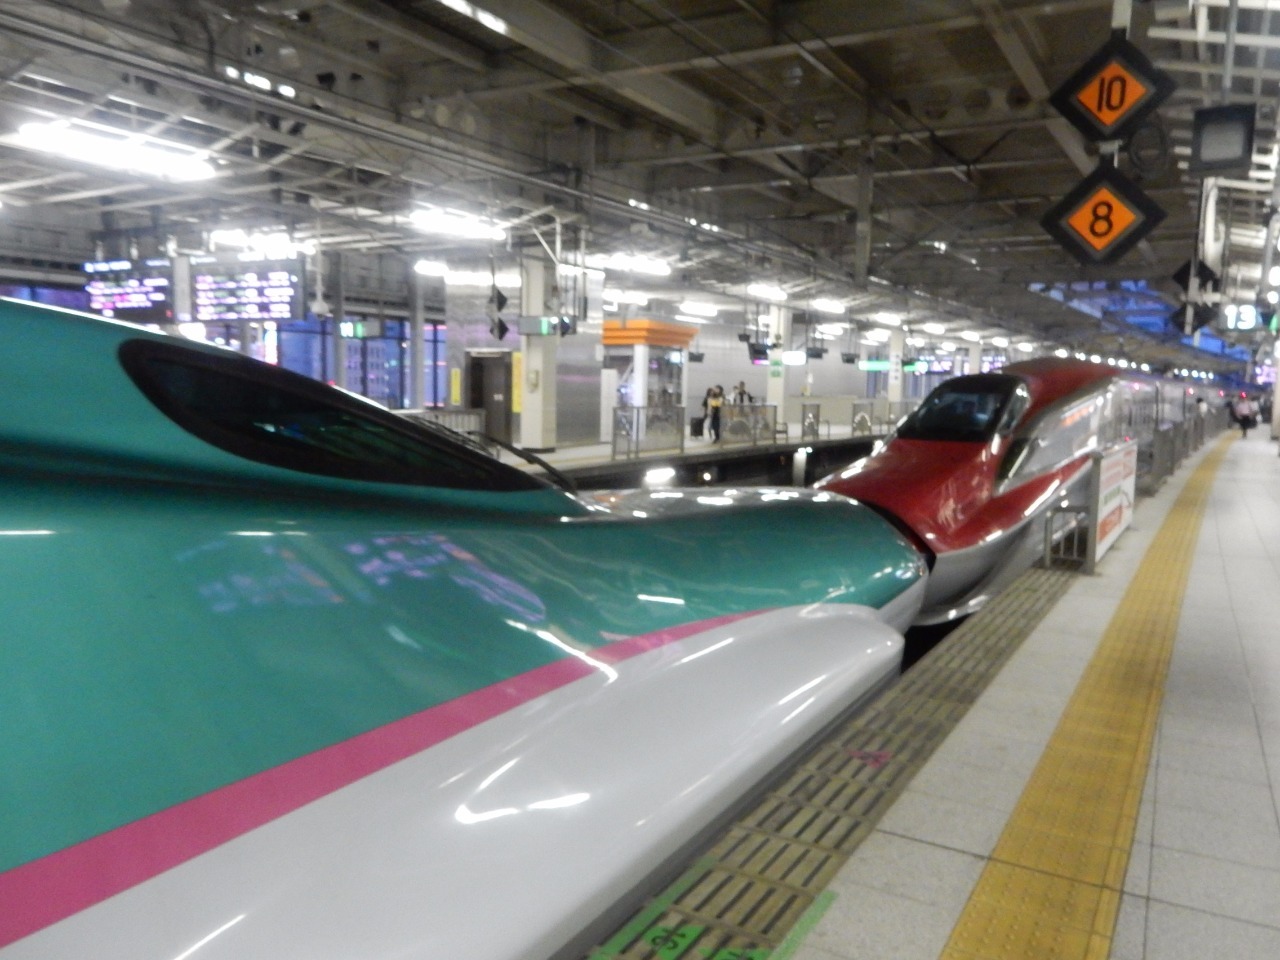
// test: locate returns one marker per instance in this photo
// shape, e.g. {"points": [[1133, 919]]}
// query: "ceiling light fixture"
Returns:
{"points": [[766, 291], [698, 308], [481, 278], [630, 263], [827, 305], [455, 223], [120, 151], [633, 297], [482, 17], [431, 268], [272, 245]]}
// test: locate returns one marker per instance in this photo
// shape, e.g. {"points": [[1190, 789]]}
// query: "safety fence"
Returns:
{"points": [[878, 415], [469, 423], [1078, 534], [639, 431]]}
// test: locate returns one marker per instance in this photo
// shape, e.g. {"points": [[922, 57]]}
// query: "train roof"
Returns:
{"points": [[1050, 379]]}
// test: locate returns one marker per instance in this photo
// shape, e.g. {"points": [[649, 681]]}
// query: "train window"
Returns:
{"points": [[1014, 409], [966, 409], [273, 416]]}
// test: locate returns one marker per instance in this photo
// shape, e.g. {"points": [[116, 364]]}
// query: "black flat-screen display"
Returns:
{"points": [[230, 289], [140, 291]]}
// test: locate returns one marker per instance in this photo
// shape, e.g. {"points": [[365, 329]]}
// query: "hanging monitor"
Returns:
{"points": [[231, 289], [1222, 139], [140, 291]]}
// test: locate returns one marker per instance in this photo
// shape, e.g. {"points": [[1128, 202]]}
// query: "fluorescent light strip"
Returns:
{"points": [[120, 151]]}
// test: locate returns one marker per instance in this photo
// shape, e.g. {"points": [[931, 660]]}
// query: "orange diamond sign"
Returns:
{"points": [[1103, 217], [1113, 92]]}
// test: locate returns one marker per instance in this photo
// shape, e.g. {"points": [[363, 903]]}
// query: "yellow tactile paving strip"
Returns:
{"points": [[1051, 889]]}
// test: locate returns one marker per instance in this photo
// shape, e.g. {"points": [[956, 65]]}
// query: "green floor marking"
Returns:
{"points": [[804, 926], [669, 896]]}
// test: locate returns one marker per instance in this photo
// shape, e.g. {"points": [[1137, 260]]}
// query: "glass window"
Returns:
{"points": [[965, 409], [270, 415]]}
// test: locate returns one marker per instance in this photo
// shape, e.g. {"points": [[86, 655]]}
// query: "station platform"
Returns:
{"points": [[1089, 768]]}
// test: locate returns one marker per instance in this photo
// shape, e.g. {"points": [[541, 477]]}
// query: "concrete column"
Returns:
{"points": [[640, 376], [537, 387], [777, 387], [417, 352], [975, 357], [897, 350]]}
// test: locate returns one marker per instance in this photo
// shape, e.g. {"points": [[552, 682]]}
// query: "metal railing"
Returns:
{"points": [[638, 431], [469, 423], [749, 423], [1172, 443], [879, 415], [463, 421], [811, 422]]}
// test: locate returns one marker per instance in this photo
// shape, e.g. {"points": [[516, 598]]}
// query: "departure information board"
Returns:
{"points": [[140, 291], [225, 290]]}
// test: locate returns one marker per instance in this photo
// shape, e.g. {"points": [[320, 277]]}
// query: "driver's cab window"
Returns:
{"points": [[1014, 410]]}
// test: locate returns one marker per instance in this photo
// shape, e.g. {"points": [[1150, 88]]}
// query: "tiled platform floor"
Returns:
{"points": [[1204, 874]]}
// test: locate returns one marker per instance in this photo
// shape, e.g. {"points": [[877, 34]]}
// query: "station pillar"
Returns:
{"points": [[897, 352], [535, 393], [417, 351], [778, 385], [975, 357]]}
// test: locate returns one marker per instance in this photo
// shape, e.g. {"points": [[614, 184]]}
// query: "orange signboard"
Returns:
{"points": [[1108, 97], [1103, 217], [1112, 93]]}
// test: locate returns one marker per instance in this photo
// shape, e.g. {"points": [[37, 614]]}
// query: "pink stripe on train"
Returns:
{"points": [[52, 888]]}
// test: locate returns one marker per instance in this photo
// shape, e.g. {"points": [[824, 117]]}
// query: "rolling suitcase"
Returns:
{"points": [[695, 426]]}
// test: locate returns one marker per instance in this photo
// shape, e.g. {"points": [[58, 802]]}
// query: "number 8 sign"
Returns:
{"points": [[1103, 217]]}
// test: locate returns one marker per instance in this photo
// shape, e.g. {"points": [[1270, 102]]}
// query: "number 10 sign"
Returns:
{"points": [[1113, 92], [1103, 217]]}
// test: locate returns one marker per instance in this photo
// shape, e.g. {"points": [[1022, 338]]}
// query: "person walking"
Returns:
{"points": [[1245, 412]]}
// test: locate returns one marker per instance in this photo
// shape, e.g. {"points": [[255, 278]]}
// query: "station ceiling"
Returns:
{"points": [[896, 156]]}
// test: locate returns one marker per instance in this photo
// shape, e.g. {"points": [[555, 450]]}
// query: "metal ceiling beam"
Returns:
{"points": [[551, 34]]}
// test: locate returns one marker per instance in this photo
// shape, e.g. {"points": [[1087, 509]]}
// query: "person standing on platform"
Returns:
{"points": [[740, 395], [1245, 412], [714, 401]]}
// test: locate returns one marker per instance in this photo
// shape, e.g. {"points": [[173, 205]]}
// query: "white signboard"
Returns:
{"points": [[1116, 473]]}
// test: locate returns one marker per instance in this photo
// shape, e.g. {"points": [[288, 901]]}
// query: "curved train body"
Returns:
{"points": [[286, 676], [972, 472]]}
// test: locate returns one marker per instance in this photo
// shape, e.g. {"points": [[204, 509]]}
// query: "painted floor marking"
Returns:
{"points": [[1051, 889]]}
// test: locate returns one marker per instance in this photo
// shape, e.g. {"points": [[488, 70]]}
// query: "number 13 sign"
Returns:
{"points": [[1103, 217]]}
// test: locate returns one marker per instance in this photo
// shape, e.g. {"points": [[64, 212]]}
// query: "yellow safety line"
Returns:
{"points": [[1052, 886]]}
